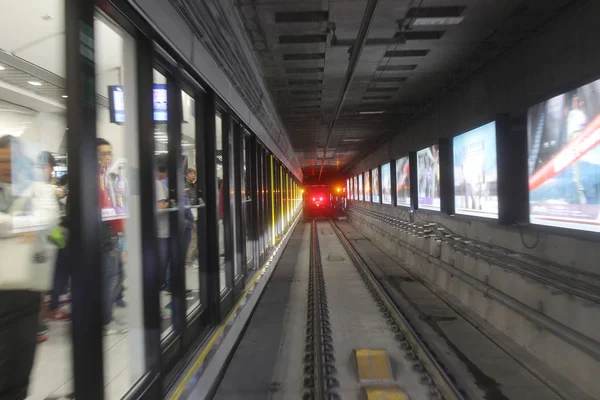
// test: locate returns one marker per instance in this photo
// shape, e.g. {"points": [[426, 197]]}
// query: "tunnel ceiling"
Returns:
{"points": [[415, 52]]}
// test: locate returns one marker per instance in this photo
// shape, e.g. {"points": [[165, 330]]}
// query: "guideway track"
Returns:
{"points": [[417, 351], [318, 332], [319, 370]]}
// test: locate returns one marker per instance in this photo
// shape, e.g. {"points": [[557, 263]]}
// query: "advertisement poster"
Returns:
{"points": [[386, 184], [349, 189], [564, 160], [361, 193], [375, 180], [367, 179], [428, 177], [403, 182], [476, 172], [355, 188]]}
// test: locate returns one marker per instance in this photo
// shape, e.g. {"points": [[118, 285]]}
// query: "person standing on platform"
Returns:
{"points": [[28, 212], [112, 229]]}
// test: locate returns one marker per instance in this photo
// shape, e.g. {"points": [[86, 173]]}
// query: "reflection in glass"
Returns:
{"points": [[192, 202], [247, 201], [164, 207], [117, 147], [33, 156], [219, 146]]}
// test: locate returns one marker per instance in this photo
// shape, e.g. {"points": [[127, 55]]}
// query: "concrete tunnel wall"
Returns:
{"points": [[560, 56]]}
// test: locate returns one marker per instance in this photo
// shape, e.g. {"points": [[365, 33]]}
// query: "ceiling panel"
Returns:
{"points": [[411, 54]]}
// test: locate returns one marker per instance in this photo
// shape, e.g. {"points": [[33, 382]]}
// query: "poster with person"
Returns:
{"points": [[476, 172], [386, 184], [428, 177], [375, 180], [403, 182], [564, 160]]}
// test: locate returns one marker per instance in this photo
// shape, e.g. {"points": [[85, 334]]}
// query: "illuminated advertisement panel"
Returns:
{"points": [[375, 180], [476, 172], [403, 182], [564, 160], [355, 188], [386, 184], [367, 186], [348, 189], [428, 177], [361, 193]]}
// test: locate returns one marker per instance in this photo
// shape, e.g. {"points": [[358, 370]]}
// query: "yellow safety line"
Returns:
{"points": [[183, 384]]}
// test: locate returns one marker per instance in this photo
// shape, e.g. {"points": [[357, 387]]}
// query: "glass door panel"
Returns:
{"points": [[193, 203], [165, 202], [220, 211]]}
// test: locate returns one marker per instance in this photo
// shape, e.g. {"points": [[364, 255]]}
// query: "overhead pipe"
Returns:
{"points": [[357, 48]]}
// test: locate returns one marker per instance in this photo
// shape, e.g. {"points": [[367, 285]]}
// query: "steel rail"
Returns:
{"points": [[436, 371]]}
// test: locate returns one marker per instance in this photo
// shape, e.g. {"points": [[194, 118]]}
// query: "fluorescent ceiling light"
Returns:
{"points": [[371, 112], [35, 83], [64, 96], [351, 140], [437, 21], [2, 67]]}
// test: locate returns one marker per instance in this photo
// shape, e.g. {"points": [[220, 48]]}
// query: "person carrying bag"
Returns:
{"points": [[28, 213]]}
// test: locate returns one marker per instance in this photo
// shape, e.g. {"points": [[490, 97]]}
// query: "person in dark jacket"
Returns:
{"points": [[190, 186]]}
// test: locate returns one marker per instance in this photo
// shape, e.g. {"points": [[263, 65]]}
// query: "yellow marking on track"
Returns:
{"points": [[373, 366], [385, 393]]}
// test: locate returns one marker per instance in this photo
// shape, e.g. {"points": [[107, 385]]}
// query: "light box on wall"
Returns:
{"points": [[348, 189], [375, 184], [476, 172], [355, 188], [386, 184], [428, 177], [116, 104], [159, 102], [403, 181], [564, 160], [361, 193], [367, 182]]}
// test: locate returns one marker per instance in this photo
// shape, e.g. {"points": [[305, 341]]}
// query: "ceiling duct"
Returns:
{"points": [[363, 32], [406, 53], [302, 39], [410, 67], [303, 56], [306, 70], [301, 16]]}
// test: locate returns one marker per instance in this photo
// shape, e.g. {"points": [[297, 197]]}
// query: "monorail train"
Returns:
{"points": [[325, 201]]}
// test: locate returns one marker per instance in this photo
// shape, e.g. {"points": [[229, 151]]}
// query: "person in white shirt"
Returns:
{"points": [[34, 205]]}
